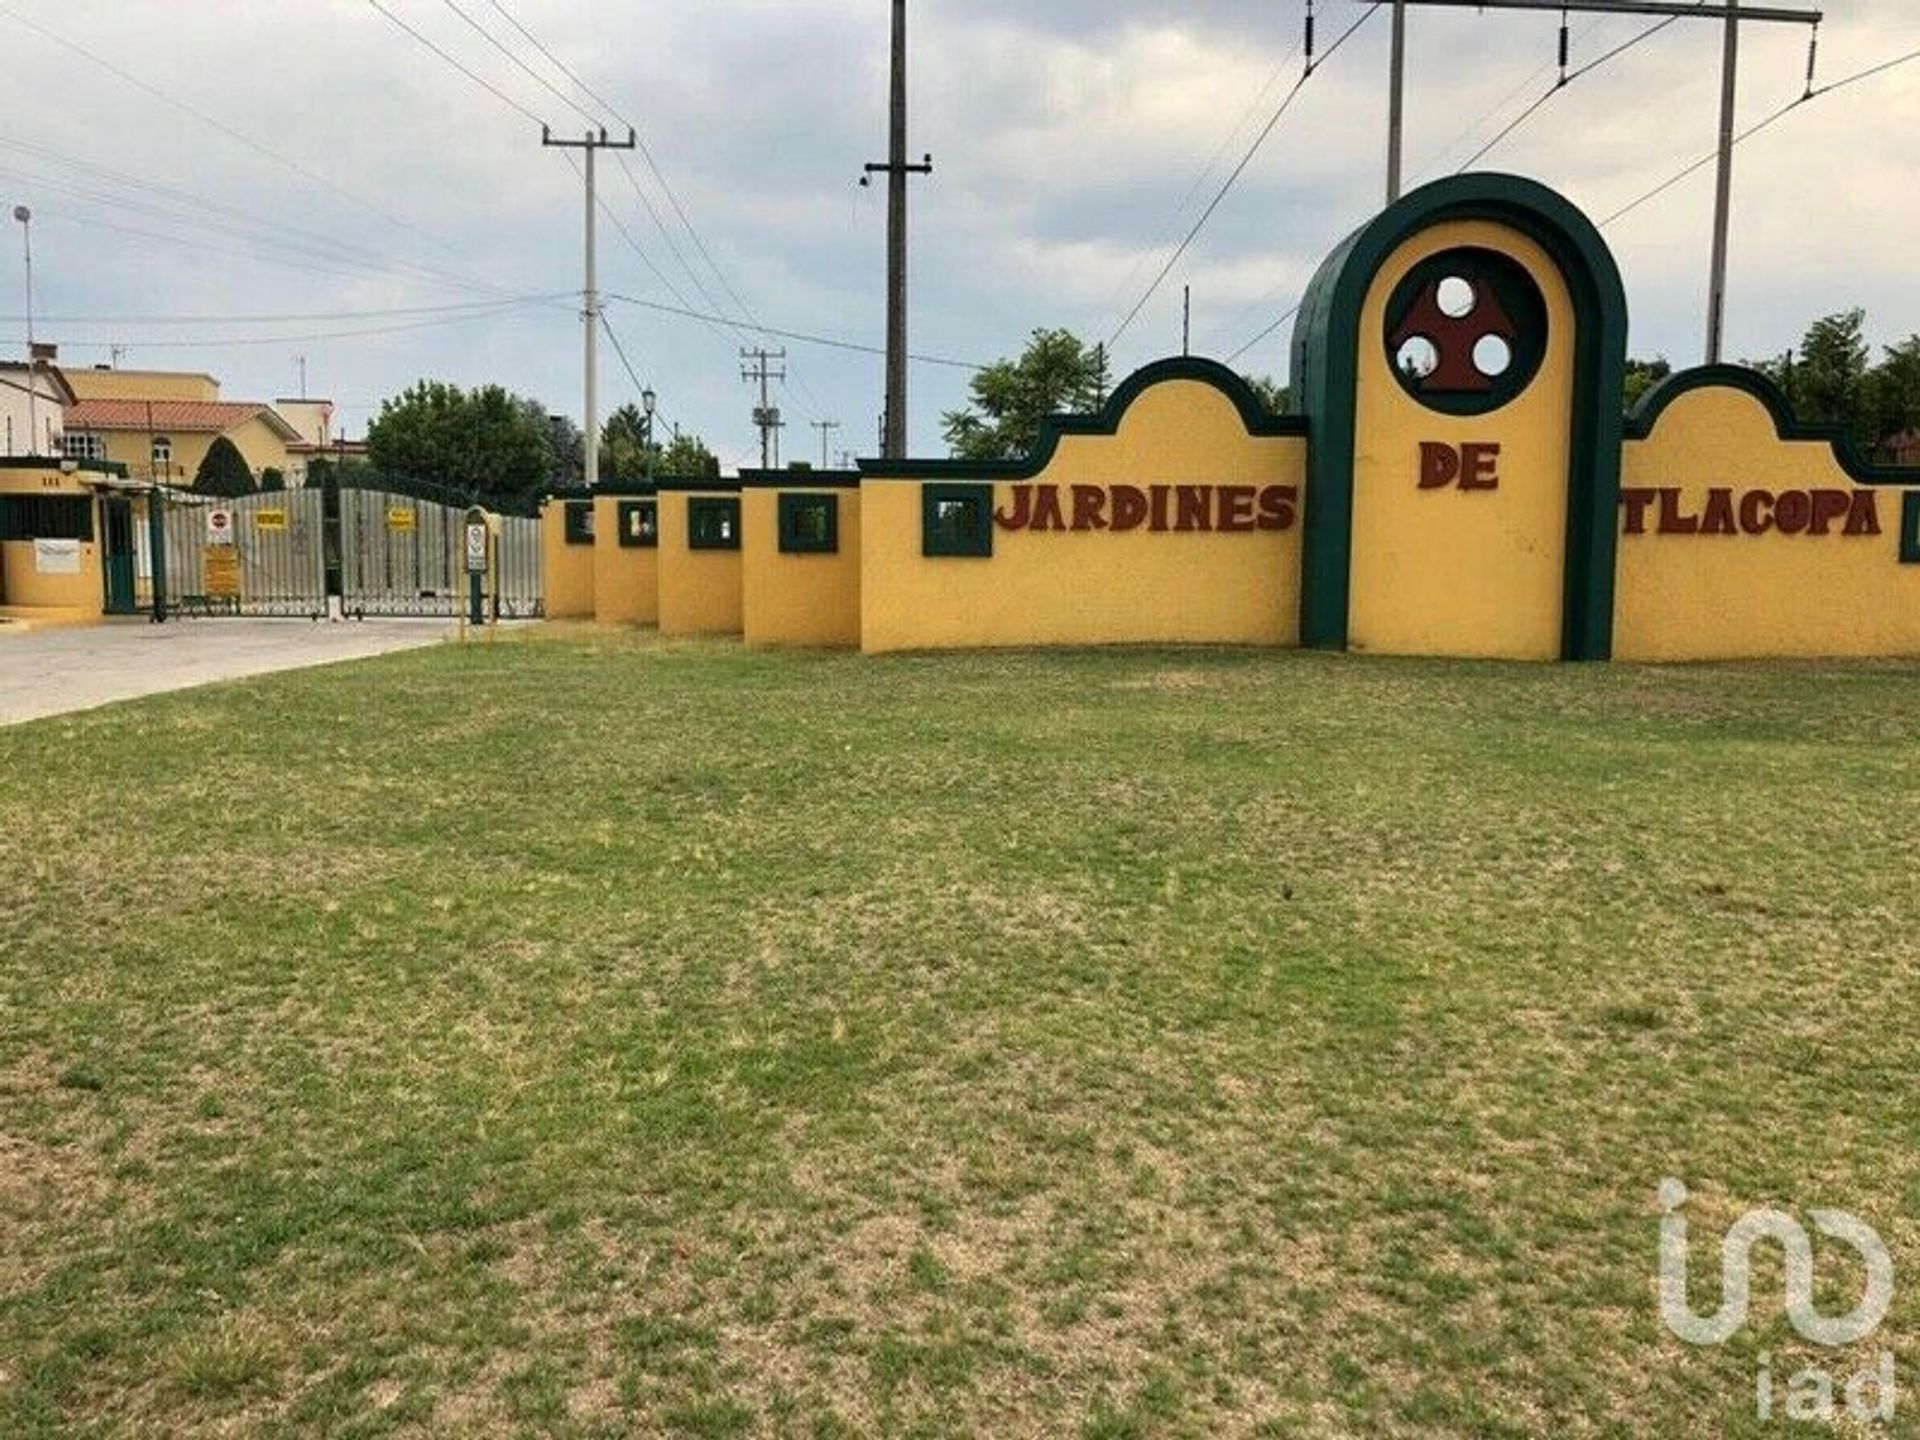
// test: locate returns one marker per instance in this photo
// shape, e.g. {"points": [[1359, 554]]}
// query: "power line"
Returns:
{"points": [[1206, 173], [1759, 125], [800, 336], [1238, 170], [335, 315], [485, 84], [1564, 81], [522, 65], [660, 178], [236, 342], [239, 137], [303, 241]]}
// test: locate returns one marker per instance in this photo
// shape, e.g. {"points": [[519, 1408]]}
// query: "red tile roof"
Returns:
{"points": [[167, 416]]}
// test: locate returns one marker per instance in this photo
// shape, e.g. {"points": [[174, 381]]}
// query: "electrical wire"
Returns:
{"points": [[237, 342], [1813, 93], [485, 84], [239, 137], [1564, 81], [1206, 173], [312, 318], [1238, 170], [536, 76], [798, 336]]}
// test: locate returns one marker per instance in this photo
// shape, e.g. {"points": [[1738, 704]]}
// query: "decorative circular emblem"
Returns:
{"points": [[1466, 331]]}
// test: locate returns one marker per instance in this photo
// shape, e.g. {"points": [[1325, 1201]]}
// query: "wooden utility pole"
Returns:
{"points": [[1730, 16], [594, 142], [896, 169]]}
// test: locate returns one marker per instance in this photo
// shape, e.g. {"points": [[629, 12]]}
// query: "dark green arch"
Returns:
{"points": [[1326, 341], [1259, 421]]}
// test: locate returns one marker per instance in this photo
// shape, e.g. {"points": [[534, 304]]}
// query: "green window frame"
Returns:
{"points": [[1910, 528], [46, 517], [579, 522], [713, 523], [639, 524], [809, 524], [956, 519]]}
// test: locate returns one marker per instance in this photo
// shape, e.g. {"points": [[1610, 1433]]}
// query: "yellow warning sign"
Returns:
{"points": [[400, 518], [270, 520], [223, 572]]}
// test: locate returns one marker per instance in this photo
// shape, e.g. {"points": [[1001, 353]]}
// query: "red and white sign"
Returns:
{"points": [[219, 526]]}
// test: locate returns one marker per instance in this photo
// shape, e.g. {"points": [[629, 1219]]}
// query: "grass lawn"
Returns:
{"points": [[586, 1035]]}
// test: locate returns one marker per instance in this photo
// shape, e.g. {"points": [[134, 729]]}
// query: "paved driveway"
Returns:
{"points": [[60, 668]]}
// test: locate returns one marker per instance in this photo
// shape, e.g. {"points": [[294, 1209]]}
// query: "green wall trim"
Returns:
{"points": [[1325, 369], [708, 486], [51, 463], [1910, 528], [1254, 414], [619, 490], [800, 479], [1646, 415]]}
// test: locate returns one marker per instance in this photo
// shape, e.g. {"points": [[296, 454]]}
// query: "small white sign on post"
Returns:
{"points": [[476, 549], [219, 526]]}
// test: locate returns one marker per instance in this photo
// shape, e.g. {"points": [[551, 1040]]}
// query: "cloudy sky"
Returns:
{"points": [[338, 168]]}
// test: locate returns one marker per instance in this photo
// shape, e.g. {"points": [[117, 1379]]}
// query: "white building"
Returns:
{"points": [[33, 400]]}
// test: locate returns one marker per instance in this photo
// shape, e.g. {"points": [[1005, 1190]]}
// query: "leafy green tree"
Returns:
{"points": [[1642, 376], [1012, 398], [1896, 390], [1275, 396], [223, 471], [273, 478], [487, 442], [1830, 376], [687, 456], [624, 446]]}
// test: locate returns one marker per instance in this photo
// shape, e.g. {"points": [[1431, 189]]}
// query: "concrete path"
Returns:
{"points": [[51, 670]]}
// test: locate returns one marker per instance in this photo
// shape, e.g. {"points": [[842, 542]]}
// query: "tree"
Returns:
{"points": [[1276, 397], [1896, 391], [491, 444], [1642, 376], [1013, 398], [273, 478], [223, 471], [1830, 377], [624, 446], [687, 456], [564, 439]]}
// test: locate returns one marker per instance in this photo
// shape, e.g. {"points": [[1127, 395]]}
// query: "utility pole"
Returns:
{"points": [[1396, 100], [826, 429], [25, 217], [756, 365], [594, 142], [894, 439], [1723, 187], [1186, 320], [1730, 16]]}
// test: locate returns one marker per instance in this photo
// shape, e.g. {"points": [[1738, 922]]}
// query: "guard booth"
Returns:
{"points": [[53, 539]]}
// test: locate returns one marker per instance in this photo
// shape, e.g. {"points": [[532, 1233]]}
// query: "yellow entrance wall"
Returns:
{"points": [[568, 568], [626, 578], [1700, 597], [23, 589], [1098, 587], [699, 589], [1447, 571], [810, 599]]}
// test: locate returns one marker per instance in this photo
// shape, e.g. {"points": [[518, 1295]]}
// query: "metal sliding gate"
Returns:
{"points": [[289, 552], [405, 556], [274, 561]]}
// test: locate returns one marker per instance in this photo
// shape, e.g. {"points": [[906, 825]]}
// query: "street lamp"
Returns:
{"points": [[25, 217], [647, 402]]}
